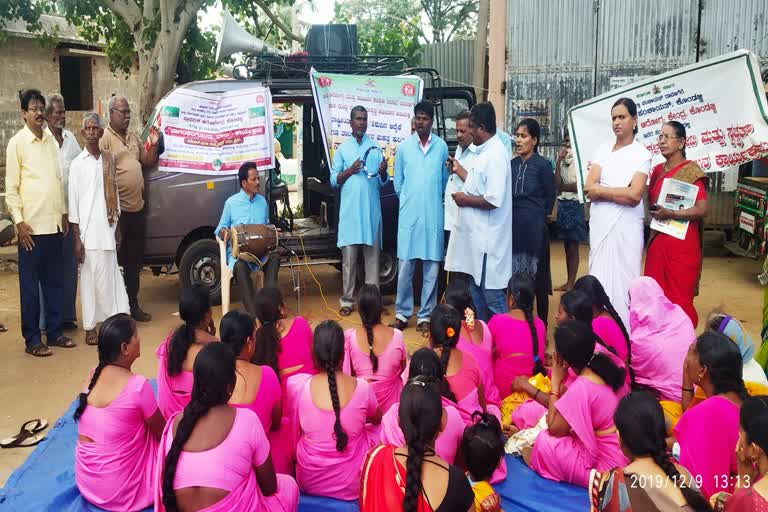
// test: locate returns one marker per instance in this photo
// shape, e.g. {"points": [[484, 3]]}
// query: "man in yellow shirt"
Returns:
{"points": [[35, 199]]}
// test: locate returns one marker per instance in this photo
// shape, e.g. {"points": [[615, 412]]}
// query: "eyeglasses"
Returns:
{"points": [[36, 110], [124, 111], [664, 137]]}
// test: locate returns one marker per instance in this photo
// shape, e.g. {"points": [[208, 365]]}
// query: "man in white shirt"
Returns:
{"points": [[55, 117], [458, 166], [481, 241], [93, 213]]}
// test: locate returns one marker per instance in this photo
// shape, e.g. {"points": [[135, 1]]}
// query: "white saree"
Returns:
{"points": [[616, 231]]}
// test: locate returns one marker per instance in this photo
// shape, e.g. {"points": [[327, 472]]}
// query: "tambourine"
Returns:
{"points": [[371, 160]]}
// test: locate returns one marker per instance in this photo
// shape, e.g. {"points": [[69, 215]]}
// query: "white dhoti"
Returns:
{"points": [[615, 255], [102, 290]]}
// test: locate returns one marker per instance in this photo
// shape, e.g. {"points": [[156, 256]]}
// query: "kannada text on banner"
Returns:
{"points": [[389, 101], [215, 133], [720, 102]]}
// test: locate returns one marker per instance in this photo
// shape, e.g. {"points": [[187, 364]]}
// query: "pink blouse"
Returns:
{"points": [[514, 349], [268, 395]]}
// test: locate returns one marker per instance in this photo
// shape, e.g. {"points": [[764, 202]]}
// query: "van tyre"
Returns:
{"points": [[200, 264], [388, 272]]}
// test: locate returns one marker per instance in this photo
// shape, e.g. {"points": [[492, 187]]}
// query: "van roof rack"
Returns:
{"points": [[298, 65]]}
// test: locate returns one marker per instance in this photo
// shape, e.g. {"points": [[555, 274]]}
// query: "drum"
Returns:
{"points": [[253, 241]]}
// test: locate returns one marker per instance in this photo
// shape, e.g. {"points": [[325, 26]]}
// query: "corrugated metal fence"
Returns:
{"points": [[452, 59], [562, 53]]}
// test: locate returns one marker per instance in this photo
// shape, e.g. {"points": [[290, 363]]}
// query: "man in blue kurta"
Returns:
{"points": [[359, 205], [420, 178], [248, 207]]}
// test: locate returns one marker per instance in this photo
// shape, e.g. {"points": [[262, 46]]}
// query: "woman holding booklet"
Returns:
{"points": [[673, 262]]}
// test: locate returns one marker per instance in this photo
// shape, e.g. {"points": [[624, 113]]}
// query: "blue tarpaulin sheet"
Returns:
{"points": [[46, 481]]}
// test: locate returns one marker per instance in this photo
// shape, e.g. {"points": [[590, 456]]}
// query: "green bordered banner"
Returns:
{"points": [[720, 101]]}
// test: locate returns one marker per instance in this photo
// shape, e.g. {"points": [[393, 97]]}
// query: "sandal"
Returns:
{"points": [[399, 324], [21, 440], [39, 350], [62, 342], [345, 311], [423, 328], [3, 328], [92, 337], [34, 426]]}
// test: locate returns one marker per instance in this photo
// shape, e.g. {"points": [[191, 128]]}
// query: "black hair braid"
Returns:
{"points": [[538, 364], [413, 464], [606, 303], [374, 359], [693, 498], [178, 347], [338, 430], [192, 413], [268, 301], [83, 397]]}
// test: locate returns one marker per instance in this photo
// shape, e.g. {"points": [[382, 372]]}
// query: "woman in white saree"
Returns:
{"points": [[615, 186]]}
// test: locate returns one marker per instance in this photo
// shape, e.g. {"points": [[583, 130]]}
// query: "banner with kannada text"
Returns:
{"points": [[215, 133], [720, 101], [389, 101]]}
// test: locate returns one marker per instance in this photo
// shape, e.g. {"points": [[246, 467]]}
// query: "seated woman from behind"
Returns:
{"points": [[412, 477], [580, 434], [651, 481], [482, 446], [606, 322], [374, 351], [282, 343], [752, 372], [426, 366], [661, 335], [751, 491], [119, 425], [708, 431], [519, 341], [474, 336], [574, 305], [460, 369], [331, 413], [176, 355], [257, 387], [216, 458]]}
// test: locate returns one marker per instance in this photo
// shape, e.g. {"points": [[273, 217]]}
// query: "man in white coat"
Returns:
{"points": [[94, 209], [481, 241]]}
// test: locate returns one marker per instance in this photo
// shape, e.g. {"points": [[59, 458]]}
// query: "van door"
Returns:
{"points": [[449, 102]]}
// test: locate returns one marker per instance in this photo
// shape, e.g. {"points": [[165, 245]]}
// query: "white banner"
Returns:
{"points": [[215, 133], [389, 101], [720, 101]]}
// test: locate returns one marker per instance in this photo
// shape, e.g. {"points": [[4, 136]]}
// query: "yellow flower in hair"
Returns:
{"points": [[450, 332]]}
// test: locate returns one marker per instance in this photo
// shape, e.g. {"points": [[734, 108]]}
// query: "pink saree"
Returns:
{"points": [[447, 442], [707, 434], [661, 334], [116, 470], [173, 392], [588, 408], [387, 382], [483, 354]]}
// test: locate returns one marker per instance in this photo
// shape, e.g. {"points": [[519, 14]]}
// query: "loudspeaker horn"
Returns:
{"points": [[235, 39]]}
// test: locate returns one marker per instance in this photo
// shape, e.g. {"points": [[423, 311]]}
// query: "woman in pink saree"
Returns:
{"points": [[708, 431], [374, 351], [335, 420], [426, 365], [606, 321], [176, 355], [661, 335], [282, 343], [119, 425], [581, 434], [215, 458], [257, 387], [519, 340], [474, 337]]}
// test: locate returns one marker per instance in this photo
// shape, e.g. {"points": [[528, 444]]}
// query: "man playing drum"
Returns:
{"points": [[248, 207], [360, 205]]}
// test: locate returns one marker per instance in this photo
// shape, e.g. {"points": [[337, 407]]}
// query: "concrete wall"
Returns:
{"points": [[25, 64]]}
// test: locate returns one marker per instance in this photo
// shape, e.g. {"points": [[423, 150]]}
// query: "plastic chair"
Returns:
{"points": [[227, 275]]}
